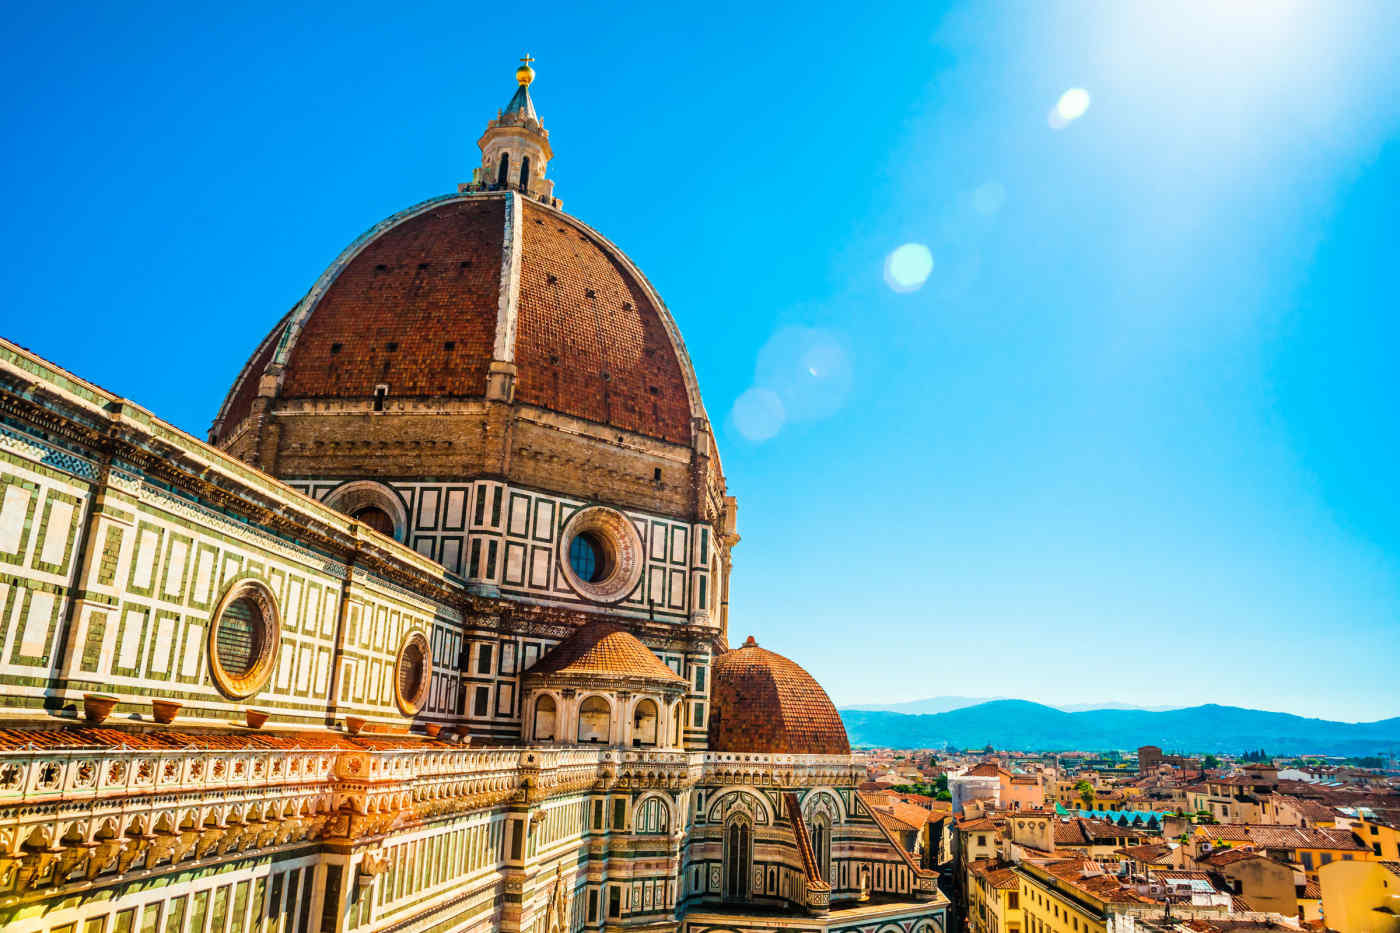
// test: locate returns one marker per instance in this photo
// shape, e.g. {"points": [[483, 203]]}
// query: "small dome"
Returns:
{"points": [[605, 651], [762, 702]]}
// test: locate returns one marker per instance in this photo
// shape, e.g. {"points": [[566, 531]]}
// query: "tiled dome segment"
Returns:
{"points": [[589, 342], [762, 702], [607, 651], [391, 313]]}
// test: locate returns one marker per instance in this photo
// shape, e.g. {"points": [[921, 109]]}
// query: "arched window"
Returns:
{"points": [[525, 174], [503, 176], [376, 518], [544, 719], [738, 859], [644, 724], [820, 832], [653, 817], [594, 717]]}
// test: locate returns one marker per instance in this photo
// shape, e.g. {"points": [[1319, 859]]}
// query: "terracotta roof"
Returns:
{"points": [[1282, 837], [893, 823], [1146, 853], [414, 306], [892, 839], [1090, 877], [982, 824], [433, 278], [1081, 831], [762, 702], [580, 306], [1312, 809], [1231, 856], [1312, 891], [607, 651], [987, 769], [1000, 877], [911, 815]]}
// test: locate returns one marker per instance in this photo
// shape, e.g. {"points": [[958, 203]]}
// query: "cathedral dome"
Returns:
{"points": [[762, 702], [439, 299]]}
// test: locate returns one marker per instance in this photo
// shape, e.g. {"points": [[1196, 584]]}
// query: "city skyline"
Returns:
{"points": [[1126, 411]]}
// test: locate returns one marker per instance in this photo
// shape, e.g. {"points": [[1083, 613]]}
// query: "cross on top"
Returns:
{"points": [[527, 59]]}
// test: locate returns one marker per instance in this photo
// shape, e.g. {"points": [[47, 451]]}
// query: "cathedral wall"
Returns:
{"points": [[46, 493], [508, 540], [445, 873], [118, 556], [240, 896]]}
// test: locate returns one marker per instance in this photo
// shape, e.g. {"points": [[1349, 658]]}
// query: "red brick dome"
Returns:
{"points": [[762, 702], [424, 302]]}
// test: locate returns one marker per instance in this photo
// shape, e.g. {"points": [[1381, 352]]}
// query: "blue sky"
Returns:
{"points": [[1134, 438]]}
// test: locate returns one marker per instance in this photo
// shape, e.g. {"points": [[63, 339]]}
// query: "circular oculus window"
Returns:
{"points": [[602, 554], [413, 670], [243, 639]]}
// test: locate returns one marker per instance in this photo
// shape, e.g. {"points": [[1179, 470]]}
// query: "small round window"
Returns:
{"points": [[243, 639], [412, 672], [589, 556]]}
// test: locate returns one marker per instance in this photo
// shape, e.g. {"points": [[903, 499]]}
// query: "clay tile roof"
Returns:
{"points": [[1146, 853], [414, 304], [763, 702], [981, 824], [986, 769], [1230, 832], [1231, 856], [580, 304], [607, 651], [892, 822], [999, 876], [433, 278], [910, 813], [1070, 833]]}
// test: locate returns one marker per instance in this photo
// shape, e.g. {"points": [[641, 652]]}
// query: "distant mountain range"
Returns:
{"points": [[948, 704], [1019, 725]]}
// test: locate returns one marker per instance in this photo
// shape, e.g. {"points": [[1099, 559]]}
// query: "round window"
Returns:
{"points": [[243, 639], [412, 672], [601, 555], [588, 555]]}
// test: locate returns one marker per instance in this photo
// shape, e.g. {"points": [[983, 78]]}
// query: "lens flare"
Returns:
{"points": [[908, 267], [1072, 105], [758, 414]]}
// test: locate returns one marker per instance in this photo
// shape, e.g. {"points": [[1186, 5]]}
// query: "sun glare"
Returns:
{"points": [[908, 267], [1072, 105]]}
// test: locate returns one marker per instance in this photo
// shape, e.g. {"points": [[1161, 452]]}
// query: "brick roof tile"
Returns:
{"points": [[763, 702], [605, 650], [589, 341]]}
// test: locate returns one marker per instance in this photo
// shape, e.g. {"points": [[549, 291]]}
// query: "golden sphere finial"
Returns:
{"points": [[525, 74]]}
